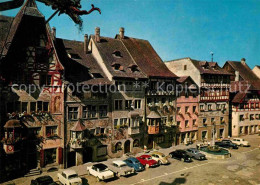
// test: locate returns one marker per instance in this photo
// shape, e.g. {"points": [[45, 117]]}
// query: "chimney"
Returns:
{"points": [[97, 34], [86, 43], [54, 33], [122, 33], [243, 61], [237, 76]]}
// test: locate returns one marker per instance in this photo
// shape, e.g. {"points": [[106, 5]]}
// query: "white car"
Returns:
{"points": [[100, 171], [120, 168], [69, 177], [240, 142]]}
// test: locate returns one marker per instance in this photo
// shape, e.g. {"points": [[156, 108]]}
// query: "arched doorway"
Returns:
{"points": [[118, 146], [127, 147]]}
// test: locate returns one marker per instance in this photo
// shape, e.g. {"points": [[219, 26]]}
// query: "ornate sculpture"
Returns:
{"points": [[69, 7]]}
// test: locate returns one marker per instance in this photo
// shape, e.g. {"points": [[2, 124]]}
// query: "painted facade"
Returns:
{"points": [[214, 85]]}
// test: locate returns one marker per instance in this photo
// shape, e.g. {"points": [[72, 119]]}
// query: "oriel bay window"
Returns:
{"points": [[73, 113]]}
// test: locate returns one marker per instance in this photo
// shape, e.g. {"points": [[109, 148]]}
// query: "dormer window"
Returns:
{"points": [[133, 67], [74, 56], [117, 54], [117, 66], [97, 75]]}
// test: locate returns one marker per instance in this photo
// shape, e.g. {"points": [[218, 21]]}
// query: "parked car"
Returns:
{"points": [[43, 180], [240, 142], [195, 153], [147, 161], [69, 177], [180, 155], [120, 168], [134, 163], [160, 158], [100, 171], [226, 144]]}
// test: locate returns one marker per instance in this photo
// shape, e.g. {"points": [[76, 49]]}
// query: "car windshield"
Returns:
{"points": [[73, 176]]}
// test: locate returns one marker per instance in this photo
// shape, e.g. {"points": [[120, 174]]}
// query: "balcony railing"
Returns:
{"points": [[133, 130], [153, 129]]}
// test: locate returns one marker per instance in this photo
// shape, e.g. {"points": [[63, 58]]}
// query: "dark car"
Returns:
{"points": [[44, 180], [195, 153], [180, 155], [226, 144], [134, 163]]}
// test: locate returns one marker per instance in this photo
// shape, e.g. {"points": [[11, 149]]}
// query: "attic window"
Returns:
{"points": [[97, 75], [74, 56], [133, 68], [117, 66], [117, 54]]}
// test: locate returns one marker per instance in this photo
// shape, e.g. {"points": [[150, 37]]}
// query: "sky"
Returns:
{"points": [[176, 28]]}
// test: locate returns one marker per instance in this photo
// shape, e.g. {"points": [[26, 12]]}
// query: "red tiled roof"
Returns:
{"points": [[239, 97], [80, 68], [146, 58], [107, 47], [206, 67], [246, 73]]}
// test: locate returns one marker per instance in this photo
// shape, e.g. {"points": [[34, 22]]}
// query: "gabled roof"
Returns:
{"points": [[239, 97], [246, 73], [146, 57], [78, 126], [113, 52], [206, 67], [80, 66], [28, 9]]}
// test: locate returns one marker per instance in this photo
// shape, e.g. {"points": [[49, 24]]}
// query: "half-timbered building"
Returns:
{"points": [[214, 85], [34, 108], [245, 98]]}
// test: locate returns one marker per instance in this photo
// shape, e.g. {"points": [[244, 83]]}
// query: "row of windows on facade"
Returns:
{"points": [[187, 123], [159, 100], [94, 131], [213, 120], [88, 112], [50, 131], [248, 129], [251, 117], [249, 105], [214, 93], [204, 134], [210, 107], [128, 104], [123, 122], [187, 109], [215, 79], [27, 106], [137, 86]]}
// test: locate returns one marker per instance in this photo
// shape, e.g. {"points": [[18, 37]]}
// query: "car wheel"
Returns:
{"points": [[98, 179]]}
